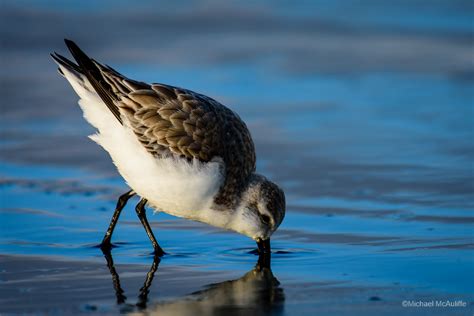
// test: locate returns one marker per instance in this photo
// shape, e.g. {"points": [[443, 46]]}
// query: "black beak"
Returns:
{"points": [[263, 261], [263, 246]]}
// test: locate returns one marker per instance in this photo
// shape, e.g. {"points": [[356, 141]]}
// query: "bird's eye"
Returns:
{"points": [[266, 219]]}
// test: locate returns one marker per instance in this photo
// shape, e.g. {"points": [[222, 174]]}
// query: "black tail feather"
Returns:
{"points": [[93, 74], [66, 62]]}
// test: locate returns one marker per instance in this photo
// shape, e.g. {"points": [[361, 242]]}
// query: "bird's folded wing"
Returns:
{"points": [[169, 120]]}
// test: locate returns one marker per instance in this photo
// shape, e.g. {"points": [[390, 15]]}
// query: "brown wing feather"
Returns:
{"points": [[173, 121]]}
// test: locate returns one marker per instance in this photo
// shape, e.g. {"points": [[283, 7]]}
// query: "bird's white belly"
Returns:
{"points": [[172, 185]]}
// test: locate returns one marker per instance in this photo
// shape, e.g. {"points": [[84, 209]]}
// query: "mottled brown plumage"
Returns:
{"points": [[172, 121]]}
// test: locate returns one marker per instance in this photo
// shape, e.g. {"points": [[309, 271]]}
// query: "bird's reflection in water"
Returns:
{"points": [[119, 292], [255, 293]]}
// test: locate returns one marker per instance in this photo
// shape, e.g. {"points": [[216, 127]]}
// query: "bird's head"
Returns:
{"points": [[260, 211]]}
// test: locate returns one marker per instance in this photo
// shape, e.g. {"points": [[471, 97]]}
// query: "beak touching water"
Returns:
{"points": [[263, 245]]}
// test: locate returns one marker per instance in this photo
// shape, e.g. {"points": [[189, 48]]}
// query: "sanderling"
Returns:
{"points": [[182, 152]]}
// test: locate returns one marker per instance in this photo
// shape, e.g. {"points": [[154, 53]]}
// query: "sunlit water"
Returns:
{"points": [[366, 122]]}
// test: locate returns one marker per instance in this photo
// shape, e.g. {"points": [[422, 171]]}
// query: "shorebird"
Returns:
{"points": [[181, 152]]}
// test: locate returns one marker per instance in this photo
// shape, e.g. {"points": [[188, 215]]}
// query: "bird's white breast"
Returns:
{"points": [[172, 185]]}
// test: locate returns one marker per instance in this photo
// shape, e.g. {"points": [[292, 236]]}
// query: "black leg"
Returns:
{"points": [[141, 212], [122, 201]]}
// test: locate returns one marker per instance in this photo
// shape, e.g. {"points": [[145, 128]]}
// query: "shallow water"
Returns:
{"points": [[366, 121]]}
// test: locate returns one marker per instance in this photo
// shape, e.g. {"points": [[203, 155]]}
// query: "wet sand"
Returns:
{"points": [[47, 285], [60, 285]]}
